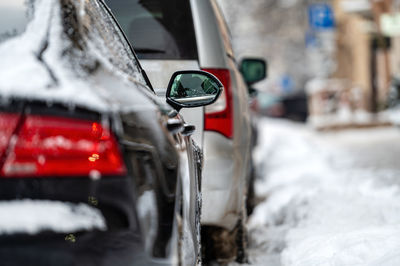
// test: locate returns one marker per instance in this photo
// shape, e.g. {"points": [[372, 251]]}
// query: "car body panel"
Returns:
{"points": [[216, 53], [209, 42], [118, 248]]}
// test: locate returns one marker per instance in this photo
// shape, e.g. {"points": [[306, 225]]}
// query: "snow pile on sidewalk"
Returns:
{"points": [[34, 216], [393, 115], [323, 207]]}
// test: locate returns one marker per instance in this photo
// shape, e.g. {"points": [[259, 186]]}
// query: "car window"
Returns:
{"points": [[14, 16], [105, 34], [223, 28], [157, 29]]}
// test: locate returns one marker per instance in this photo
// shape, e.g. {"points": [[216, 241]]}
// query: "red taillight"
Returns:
{"points": [[55, 146], [8, 125], [219, 116]]}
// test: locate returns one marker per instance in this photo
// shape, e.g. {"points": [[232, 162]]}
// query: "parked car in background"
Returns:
{"points": [[181, 34], [293, 106], [95, 169]]}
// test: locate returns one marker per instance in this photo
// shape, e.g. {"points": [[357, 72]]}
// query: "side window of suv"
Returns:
{"points": [[108, 38]]}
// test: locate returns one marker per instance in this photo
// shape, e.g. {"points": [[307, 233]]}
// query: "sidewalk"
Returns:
{"points": [[347, 120]]}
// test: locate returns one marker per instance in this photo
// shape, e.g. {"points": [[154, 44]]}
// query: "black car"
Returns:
{"points": [[94, 169]]}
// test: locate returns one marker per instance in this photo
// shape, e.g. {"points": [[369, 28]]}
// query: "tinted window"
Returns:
{"points": [[14, 16], [157, 29]]}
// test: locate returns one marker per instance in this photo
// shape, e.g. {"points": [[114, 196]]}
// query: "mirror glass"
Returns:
{"points": [[194, 88], [253, 70]]}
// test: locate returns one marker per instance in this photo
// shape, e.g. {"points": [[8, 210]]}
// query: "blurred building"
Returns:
{"points": [[349, 67], [367, 55], [274, 30]]}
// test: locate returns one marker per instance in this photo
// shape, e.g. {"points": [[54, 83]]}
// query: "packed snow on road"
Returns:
{"points": [[327, 198]]}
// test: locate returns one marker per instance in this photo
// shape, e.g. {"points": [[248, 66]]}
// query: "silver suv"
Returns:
{"points": [[173, 35]]}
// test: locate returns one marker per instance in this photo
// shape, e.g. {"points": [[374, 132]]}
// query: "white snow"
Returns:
{"points": [[393, 115], [34, 216], [329, 198], [149, 215]]}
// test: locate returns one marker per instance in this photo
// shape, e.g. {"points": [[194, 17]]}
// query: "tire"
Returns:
{"points": [[223, 246], [218, 245]]}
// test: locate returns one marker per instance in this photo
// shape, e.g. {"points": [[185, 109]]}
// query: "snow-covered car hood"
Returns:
{"points": [[41, 65]]}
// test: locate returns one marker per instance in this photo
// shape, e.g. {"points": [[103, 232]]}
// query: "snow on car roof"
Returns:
{"points": [[35, 66], [34, 216]]}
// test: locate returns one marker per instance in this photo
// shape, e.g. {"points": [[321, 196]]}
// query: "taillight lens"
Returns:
{"points": [[8, 125], [54, 146], [219, 116]]}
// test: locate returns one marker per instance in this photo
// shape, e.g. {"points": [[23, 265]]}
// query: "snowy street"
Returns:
{"points": [[199, 132], [327, 198]]}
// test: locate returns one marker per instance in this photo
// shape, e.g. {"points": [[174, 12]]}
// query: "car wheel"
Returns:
{"points": [[218, 244]]}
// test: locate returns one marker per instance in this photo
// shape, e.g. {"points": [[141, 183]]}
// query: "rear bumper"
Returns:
{"points": [[121, 245], [111, 195], [113, 248]]}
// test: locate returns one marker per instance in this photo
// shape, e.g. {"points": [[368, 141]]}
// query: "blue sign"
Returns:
{"points": [[286, 83], [321, 17]]}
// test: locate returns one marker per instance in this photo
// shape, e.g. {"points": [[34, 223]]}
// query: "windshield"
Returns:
{"points": [[14, 16], [157, 29]]}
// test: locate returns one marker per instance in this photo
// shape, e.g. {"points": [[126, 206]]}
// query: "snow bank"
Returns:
{"points": [[329, 199], [34, 216], [393, 115]]}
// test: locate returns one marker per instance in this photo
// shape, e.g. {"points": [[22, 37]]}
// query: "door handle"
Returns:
{"points": [[188, 130], [175, 126]]}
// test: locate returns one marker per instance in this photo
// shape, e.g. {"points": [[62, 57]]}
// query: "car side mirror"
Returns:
{"points": [[253, 70], [193, 88]]}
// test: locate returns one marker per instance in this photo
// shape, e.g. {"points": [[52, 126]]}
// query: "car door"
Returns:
{"points": [[166, 163]]}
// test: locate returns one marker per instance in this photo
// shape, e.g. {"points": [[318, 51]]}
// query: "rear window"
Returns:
{"points": [[157, 29]]}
